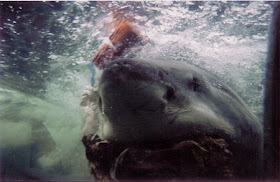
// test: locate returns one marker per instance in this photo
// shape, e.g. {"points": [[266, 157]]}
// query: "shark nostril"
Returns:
{"points": [[100, 104]]}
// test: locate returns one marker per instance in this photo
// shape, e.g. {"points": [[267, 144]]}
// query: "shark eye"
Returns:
{"points": [[170, 93], [195, 84]]}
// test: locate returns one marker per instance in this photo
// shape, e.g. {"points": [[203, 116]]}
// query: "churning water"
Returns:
{"points": [[46, 50]]}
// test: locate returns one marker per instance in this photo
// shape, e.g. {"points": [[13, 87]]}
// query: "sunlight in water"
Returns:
{"points": [[46, 48]]}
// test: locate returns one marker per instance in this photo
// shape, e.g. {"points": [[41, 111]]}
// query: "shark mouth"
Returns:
{"points": [[207, 158]]}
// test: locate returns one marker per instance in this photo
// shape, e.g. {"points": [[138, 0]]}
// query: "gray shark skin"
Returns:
{"points": [[157, 101], [271, 99]]}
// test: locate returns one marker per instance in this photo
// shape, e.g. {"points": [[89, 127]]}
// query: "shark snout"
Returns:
{"points": [[124, 72], [128, 93]]}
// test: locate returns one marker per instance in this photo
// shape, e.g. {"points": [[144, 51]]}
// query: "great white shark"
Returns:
{"points": [[139, 100]]}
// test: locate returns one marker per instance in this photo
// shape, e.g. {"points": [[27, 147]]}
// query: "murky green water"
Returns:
{"points": [[46, 48]]}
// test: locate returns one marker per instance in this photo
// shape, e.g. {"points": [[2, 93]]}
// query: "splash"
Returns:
{"points": [[46, 48]]}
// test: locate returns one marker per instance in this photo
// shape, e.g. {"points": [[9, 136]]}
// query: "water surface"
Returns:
{"points": [[46, 48]]}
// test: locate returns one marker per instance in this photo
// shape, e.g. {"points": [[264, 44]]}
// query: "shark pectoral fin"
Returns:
{"points": [[42, 140]]}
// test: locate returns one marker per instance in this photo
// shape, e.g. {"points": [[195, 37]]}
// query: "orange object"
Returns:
{"points": [[123, 37], [103, 56]]}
